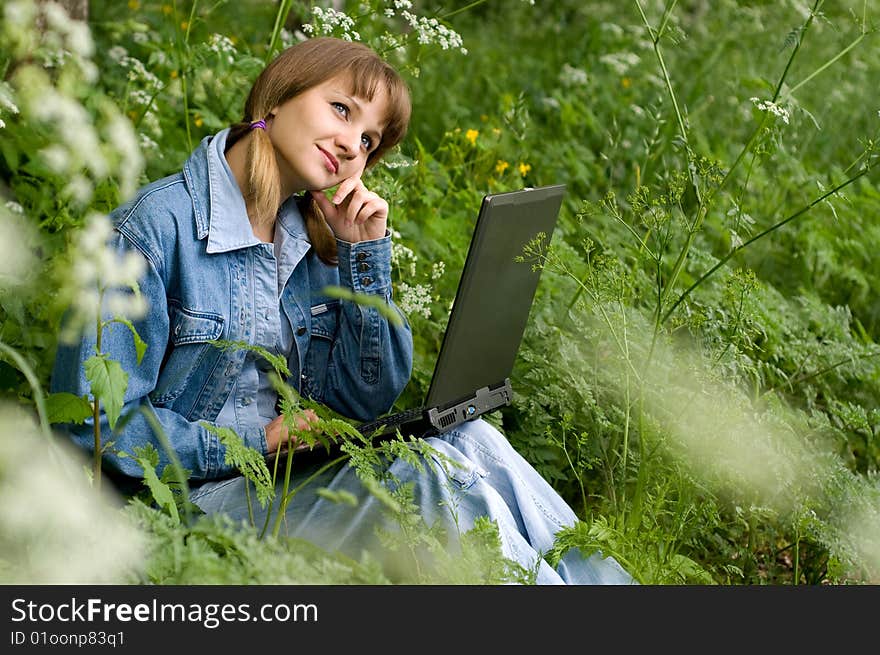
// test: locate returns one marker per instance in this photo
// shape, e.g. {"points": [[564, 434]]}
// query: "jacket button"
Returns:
{"points": [[366, 280], [361, 256], [301, 330], [363, 266]]}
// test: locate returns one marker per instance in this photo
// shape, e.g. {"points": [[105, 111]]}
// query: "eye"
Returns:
{"points": [[341, 108], [367, 142]]}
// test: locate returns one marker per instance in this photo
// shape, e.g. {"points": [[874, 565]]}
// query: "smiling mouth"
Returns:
{"points": [[330, 162]]}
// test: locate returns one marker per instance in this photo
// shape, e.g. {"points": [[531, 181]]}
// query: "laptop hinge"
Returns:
{"points": [[484, 400]]}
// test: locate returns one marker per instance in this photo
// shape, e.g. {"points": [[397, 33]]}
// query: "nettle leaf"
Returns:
{"points": [[148, 457], [108, 384], [140, 345], [64, 407]]}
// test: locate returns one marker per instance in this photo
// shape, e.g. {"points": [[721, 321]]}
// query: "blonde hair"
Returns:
{"points": [[298, 69]]}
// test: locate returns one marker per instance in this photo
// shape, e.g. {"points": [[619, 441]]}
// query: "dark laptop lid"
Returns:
{"points": [[495, 294]]}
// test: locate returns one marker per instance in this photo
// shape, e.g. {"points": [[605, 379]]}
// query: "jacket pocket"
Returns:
{"points": [[189, 351], [324, 327]]}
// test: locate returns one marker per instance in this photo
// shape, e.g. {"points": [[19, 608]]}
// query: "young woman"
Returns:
{"points": [[239, 246]]}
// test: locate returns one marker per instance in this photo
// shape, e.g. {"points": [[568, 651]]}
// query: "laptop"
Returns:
{"points": [[488, 318]]}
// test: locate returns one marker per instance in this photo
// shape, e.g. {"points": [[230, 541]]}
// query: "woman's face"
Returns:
{"points": [[324, 135]]}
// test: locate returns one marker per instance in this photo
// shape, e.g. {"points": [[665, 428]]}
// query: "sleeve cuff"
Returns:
{"points": [[253, 438], [365, 266]]}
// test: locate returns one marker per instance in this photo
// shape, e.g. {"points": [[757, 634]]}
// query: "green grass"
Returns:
{"points": [[700, 375]]}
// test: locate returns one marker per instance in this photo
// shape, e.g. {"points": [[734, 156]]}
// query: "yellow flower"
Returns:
{"points": [[198, 121], [626, 82], [134, 4], [524, 168], [501, 166], [173, 75], [167, 9], [184, 25], [471, 135]]}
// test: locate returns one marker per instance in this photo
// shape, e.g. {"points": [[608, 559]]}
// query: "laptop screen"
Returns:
{"points": [[495, 294]]}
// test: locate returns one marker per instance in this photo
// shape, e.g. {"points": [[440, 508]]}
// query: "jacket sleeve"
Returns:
{"points": [[198, 450], [371, 359]]}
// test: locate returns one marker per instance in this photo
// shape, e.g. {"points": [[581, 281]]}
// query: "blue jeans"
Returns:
{"points": [[493, 480]]}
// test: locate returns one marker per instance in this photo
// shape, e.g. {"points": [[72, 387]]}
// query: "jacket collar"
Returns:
{"points": [[218, 204]]}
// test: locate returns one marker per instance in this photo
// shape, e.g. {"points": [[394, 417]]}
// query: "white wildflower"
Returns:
{"points": [[2, 124], [52, 520], [620, 62], [79, 39], [56, 157], [414, 299], [55, 58], [76, 33], [18, 240], [147, 143], [20, 14], [437, 270], [97, 270], [402, 256], [140, 97], [571, 76], [771, 107], [76, 132], [117, 53], [612, 28], [328, 21], [430, 30], [223, 47], [79, 189]]}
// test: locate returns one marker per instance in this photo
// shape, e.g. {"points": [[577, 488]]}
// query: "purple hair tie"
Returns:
{"points": [[260, 123]]}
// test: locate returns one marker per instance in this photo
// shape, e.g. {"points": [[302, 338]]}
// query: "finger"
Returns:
{"points": [[374, 209], [347, 185], [356, 204], [324, 204]]}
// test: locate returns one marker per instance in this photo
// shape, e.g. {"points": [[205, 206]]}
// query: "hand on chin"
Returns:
{"points": [[355, 213]]}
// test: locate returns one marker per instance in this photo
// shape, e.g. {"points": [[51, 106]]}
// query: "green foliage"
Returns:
{"points": [[248, 461], [711, 279], [277, 362], [367, 300], [148, 457], [108, 382], [65, 407]]}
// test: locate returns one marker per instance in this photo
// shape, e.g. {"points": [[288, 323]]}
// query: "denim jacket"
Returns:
{"points": [[201, 261]]}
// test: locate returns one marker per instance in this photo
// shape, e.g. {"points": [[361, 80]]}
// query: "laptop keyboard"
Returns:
{"points": [[391, 422]]}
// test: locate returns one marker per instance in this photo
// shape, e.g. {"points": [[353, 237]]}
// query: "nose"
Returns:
{"points": [[348, 141]]}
